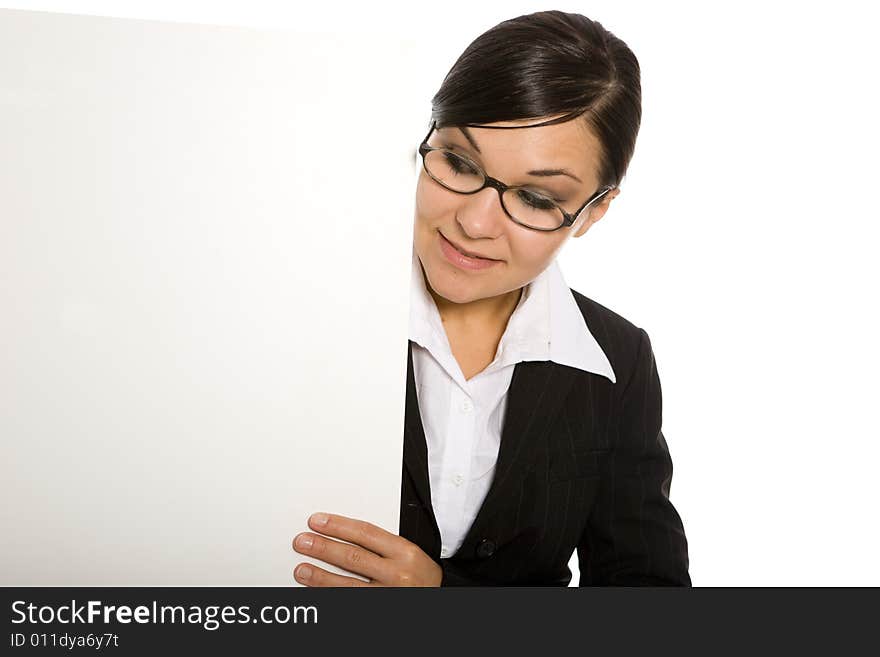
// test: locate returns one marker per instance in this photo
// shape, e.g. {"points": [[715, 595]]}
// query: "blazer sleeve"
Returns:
{"points": [[634, 536]]}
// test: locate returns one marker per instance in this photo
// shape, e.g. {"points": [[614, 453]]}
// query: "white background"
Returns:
{"points": [[743, 241]]}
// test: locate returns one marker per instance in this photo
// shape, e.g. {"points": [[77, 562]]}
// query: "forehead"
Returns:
{"points": [[570, 145]]}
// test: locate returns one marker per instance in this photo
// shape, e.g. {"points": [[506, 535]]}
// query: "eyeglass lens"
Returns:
{"points": [[525, 206]]}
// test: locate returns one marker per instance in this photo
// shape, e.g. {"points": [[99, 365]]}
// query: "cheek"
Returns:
{"points": [[432, 201], [533, 251]]}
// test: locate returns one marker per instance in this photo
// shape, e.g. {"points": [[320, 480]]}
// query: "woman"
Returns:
{"points": [[533, 413]]}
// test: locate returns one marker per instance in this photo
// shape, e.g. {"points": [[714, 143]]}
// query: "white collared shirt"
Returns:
{"points": [[463, 418]]}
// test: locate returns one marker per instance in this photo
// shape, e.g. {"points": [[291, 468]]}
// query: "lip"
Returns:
{"points": [[473, 254], [459, 258]]}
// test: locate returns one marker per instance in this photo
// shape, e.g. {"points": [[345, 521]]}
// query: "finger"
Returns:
{"points": [[311, 575], [360, 532], [352, 558]]}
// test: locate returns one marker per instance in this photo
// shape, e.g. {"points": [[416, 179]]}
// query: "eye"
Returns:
{"points": [[535, 200], [459, 164]]}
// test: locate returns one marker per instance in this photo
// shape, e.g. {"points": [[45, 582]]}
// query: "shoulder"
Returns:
{"points": [[620, 338]]}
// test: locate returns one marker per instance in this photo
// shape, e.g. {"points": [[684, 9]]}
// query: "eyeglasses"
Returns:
{"points": [[526, 207]]}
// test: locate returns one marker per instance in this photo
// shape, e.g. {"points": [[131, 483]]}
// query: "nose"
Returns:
{"points": [[481, 215]]}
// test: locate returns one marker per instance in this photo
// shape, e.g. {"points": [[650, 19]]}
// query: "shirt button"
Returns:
{"points": [[458, 479], [444, 553], [466, 406]]}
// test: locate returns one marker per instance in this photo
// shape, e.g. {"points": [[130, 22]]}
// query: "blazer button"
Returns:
{"points": [[486, 548]]}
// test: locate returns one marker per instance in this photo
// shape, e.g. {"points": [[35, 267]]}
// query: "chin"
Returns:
{"points": [[452, 287]]}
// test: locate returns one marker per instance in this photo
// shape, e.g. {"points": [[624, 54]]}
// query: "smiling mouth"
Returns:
{"points": [[467, 253]]}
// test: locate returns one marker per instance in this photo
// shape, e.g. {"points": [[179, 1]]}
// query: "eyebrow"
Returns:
{"points": [[534, 172], [470, 138]]}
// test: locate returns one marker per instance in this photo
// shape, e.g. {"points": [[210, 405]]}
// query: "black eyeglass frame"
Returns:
{"points": [[488, 181]]}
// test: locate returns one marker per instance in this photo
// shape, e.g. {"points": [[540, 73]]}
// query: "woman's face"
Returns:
{"points": [[477, 224]]}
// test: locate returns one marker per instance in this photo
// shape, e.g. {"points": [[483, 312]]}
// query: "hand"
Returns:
{"points": [[385, 558]]}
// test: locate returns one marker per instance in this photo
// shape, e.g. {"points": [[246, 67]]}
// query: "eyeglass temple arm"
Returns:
{"points": [[430, 130]]}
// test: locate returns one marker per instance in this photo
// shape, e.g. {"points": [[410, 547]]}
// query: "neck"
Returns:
{"points": [[478, 314]]}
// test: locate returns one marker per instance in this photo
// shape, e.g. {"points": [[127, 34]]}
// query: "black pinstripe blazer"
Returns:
{"points": [[582, 465]]}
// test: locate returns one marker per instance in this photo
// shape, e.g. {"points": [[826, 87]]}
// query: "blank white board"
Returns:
{"points": [[205, 248]]}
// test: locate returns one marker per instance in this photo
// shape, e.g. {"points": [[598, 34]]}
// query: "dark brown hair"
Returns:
{"points": [[543, 64]]}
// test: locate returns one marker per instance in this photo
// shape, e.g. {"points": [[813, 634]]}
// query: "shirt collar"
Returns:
{"points": [[546, 324]]}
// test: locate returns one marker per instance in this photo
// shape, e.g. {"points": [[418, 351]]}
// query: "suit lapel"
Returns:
{"points": [[415, 447], [534, 400]]}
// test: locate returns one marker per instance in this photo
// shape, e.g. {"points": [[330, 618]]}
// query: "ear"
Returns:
{"points": [[593, 214]]}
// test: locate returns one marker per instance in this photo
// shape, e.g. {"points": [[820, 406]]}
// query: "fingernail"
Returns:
{"points": [[304, 541], [320, 518], [303, 572]]}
